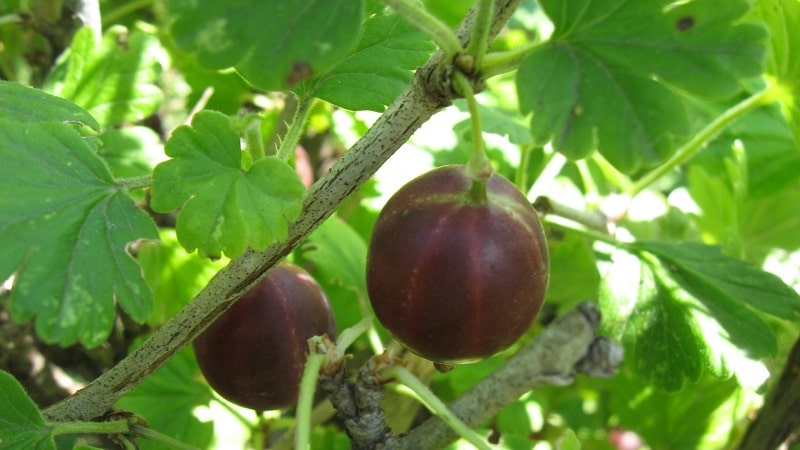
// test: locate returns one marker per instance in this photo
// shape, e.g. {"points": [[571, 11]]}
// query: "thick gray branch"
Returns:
{"points": [[780, 415], [566, 347], [424, 97]]}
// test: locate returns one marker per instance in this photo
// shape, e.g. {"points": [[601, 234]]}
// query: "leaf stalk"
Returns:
{"points": [[698, 142], [441, 34], [295, 130]]}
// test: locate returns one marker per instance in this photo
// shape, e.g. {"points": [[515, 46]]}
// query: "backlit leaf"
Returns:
{"points": [[783, 65], [113, 79], [728, 286], [663, 344]]}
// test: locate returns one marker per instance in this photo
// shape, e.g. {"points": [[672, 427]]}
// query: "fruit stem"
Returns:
{"points": [[349, 335], [308, 384], [295, 130], [477, 193], [479, 168], [429, 24], [434, 404]]}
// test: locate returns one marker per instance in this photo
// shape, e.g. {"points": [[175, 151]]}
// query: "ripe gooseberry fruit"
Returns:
{"points": [[254, 353], [457, 269]]}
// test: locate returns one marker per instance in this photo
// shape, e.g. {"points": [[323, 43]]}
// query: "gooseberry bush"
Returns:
{"points": [[159, 158]]}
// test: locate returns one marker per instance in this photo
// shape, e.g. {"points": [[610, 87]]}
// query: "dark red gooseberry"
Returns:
{"points": [[454, 272], [254, 354]]}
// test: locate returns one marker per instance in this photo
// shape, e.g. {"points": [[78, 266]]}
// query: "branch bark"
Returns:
{"points": [[780, 415], [566, 347], [427, 94]]}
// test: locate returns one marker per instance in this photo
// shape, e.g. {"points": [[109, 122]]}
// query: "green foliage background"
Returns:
{"points": [[698, 279]]}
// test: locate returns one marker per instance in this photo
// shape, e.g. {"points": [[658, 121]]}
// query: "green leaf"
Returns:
{"points": [[273, 45], [113, 79], [514, 419], [750, 225], [340, 254], [378, 70], [175, 276], [64, 232], [664, 344], [569, 441], [19, 103], [573, 273], [22, 426], [772, 222], [675, 420], [726, 285], [130, 151], [225, 209], [783, 65], [607, 78], [177, 381], [773, 159]]}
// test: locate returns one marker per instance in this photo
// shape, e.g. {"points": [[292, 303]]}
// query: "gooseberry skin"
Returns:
{"points": [[455, 279], [254, 353]]}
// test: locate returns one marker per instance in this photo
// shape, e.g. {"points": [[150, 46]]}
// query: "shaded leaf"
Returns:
{"points": [[273, 45], [225, 209], [130, 151], [65, 232], [175, 275], [22, 426], [339, 253], [380, 67], [606, 79]]}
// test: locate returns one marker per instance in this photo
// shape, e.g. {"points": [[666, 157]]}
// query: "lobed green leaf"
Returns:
{"points": [[662, 344], [725, 284], [611, 76], [273, 45], [19, 103], [21, 424], [64, 232], [224, 208], [378, 70]]}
